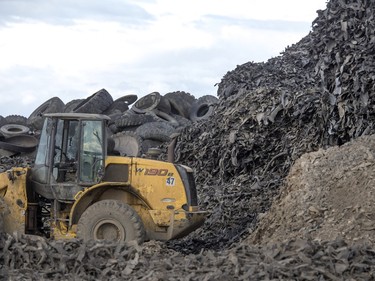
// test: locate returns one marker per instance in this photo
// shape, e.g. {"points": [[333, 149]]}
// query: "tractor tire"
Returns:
{"points": [[96, 103], [111, 124], [9, 130], [129, 99], [164, 117], [69, 107], [160, 131], [121, 104], [203, 108], [53, 105], [133, 119], [150, 102], [2, 120], [16, 119], [127, 143], [111, 220], [182, 121], [19, 143], [180, 102]]}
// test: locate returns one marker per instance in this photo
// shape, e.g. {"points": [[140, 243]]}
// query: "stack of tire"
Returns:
{"points": [[152, 120], [155, 119], [16, 136]]}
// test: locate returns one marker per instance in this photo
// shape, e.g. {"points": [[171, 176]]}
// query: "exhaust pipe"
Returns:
{"points": [[171, 147]]}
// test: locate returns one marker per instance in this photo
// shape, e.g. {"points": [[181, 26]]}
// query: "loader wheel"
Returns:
{"points": [[111, 220]]}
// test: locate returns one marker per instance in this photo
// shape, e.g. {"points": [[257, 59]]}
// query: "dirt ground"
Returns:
{"points": [[328, 194]]}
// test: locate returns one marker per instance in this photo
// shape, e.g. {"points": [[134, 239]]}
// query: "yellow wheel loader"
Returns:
{"points": [[76, 188]]}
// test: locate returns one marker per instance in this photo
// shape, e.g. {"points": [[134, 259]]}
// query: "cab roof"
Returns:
{"points": [[85, 116]]}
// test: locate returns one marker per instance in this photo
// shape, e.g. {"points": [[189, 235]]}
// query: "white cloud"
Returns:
{"points": [[186, 11], [179, 45], [82, 46]]}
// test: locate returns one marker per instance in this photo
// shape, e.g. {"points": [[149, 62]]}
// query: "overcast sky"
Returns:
{"points": [[73, 48]]}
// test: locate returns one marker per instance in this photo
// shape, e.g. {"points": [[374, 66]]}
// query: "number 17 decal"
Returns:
{"points": [[170, 181]]}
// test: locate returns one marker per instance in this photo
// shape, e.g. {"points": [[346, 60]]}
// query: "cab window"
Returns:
{"points": [[91, 152]]}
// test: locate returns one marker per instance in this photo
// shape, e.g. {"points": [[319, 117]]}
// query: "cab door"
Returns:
{"points": [[92, 152]]}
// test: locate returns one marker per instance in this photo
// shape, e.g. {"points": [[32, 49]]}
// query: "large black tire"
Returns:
{"points": [[19, 143], [150, 102], [160, 131], [129, 99], [53, 105], [9, 130], [164, 117], [69, 107], [121, 104], [2, 120], [111, 220], [203, 108], [129, 119], [16, 119], [127, 143], [182, 121], [111, 124], [180, 102], [2, 123], [96, 103]]}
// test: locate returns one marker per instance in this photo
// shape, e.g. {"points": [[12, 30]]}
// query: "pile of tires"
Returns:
{"points": [[16, 136], [155, 119], [136, 125]]}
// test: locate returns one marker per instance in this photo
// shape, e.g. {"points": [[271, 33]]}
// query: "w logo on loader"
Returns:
{"points": [[154, 172]]}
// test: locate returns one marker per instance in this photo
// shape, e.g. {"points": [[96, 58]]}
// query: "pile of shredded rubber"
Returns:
{"points": [[26, 258], [328, 194], [319, 93]]}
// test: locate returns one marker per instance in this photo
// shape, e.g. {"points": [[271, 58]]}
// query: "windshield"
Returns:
{"points": [[44, 143]]}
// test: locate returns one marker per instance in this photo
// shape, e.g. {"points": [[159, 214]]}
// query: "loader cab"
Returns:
{"points": [[70, 155]]}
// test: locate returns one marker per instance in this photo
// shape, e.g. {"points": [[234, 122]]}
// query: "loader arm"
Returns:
{"points": [[14, 202]]}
